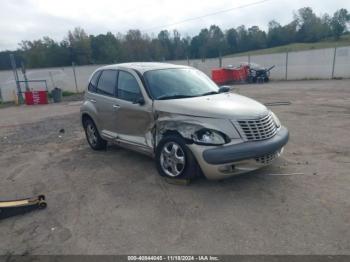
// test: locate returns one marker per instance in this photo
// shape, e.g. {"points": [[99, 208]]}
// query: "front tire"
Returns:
{"points": [[174, 159], [93, 137]]}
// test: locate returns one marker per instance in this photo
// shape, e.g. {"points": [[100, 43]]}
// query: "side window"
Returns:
{"points": [[128, 88], [93, 82], [107, 82]]}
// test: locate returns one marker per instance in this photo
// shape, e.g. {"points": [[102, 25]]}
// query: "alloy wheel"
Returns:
{"points": [[172, 159]]}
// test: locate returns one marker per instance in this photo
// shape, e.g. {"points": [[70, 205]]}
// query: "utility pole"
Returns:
{"points": [[25, 76], [14, 69], [75, 78], [287, 55], [334, 59]]}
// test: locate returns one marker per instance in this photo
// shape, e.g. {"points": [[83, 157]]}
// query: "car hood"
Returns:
{"points": [[225, 105]]}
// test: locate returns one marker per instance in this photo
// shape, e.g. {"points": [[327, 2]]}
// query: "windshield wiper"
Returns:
{"points": [[165, 97], [210, 93]]}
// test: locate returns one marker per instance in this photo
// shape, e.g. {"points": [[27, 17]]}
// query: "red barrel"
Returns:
{"points": [[36, 97]]}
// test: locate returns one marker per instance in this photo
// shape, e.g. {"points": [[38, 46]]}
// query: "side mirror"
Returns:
{"points": [[139, 101], [224, 89]]}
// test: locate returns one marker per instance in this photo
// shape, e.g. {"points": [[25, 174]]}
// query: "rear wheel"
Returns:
{"points": [[174, 159], [94, 139]]}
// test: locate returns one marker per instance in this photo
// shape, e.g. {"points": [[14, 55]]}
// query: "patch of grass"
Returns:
{"points": [[65, 93], [6, 104], [329, 43], [68, 93]]}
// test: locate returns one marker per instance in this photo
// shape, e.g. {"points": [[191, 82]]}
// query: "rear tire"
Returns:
{"points": [[93, 137], [175, 160]]}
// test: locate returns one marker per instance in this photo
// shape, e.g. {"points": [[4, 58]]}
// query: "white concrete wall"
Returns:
{"points": [[311, 64], [234, 61], [179, 62], [342, 62], [204, 65], [7, 84], [278, 60]]}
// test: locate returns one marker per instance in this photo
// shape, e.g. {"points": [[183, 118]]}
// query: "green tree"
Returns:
{"points": [[216, 44], [105, 49], [165, 45], [243, 39], [178, 46], [194, 47], [275, 34], [289, 33], [310, 26], [257, 38], [232, 40], [80, 46], [136, 46], [339, 22]]}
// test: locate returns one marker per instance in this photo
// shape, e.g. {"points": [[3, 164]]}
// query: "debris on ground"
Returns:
{"points": [[21, 206], [279, 103]]}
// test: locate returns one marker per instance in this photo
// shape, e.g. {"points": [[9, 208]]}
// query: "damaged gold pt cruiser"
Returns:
{"points": [[177, 115]]}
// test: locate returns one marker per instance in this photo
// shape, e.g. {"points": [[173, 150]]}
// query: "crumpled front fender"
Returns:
{"points": [[187, 125]]}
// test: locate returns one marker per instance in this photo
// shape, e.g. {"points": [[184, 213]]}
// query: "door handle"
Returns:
{"points": [[116, 107], [92, 100]]}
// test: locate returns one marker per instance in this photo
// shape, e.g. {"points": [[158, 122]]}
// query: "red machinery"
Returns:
{"points": [[230, 75], [247, 73], [221, 75]]}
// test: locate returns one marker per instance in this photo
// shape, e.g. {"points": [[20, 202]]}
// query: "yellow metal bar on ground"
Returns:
{"points": [[15, 203]]}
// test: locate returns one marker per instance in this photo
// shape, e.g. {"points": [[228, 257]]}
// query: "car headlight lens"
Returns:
{"points": [[275, 118], [209, 137]]}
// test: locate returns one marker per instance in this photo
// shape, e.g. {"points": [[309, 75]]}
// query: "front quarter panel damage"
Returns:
{"points": [[187, 125]]}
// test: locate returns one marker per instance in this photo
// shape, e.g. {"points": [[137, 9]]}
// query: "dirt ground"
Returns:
{"points": [[114, 202]]}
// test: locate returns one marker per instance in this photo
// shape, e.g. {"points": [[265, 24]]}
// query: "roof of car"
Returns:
{"points": [[144, 66]]}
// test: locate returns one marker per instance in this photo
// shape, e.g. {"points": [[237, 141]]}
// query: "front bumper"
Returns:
{"points": [[224, 161]]}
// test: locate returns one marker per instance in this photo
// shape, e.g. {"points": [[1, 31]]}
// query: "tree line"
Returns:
{"points": [[84, 49]]}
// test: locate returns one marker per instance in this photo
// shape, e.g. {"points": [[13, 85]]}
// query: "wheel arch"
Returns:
{"points": [[85, 116], [159, 135]]}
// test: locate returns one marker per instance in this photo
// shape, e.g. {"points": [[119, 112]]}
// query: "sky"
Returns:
{"points": [[33, 19]]}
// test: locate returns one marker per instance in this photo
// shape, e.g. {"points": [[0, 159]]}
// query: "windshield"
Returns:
{"points": [[179, 83]]}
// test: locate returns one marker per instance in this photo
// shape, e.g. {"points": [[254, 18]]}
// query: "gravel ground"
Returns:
{"points": [[114, 202]]}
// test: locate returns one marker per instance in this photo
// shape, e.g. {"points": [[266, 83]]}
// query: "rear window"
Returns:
{"points": [[107, 83], [93, 83]]}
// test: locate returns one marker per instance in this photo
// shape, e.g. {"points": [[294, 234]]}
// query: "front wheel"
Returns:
{"points": [[174, 159], [94, 139]]}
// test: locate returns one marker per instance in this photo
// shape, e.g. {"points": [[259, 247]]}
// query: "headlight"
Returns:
{"points": [[275, 118], [209, 137]]}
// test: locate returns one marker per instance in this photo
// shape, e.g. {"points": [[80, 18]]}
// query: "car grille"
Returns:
{"points": [[259, 129], [266, 159]]}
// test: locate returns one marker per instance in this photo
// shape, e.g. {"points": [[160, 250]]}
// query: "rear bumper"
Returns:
{"points": [[247, 150]]}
